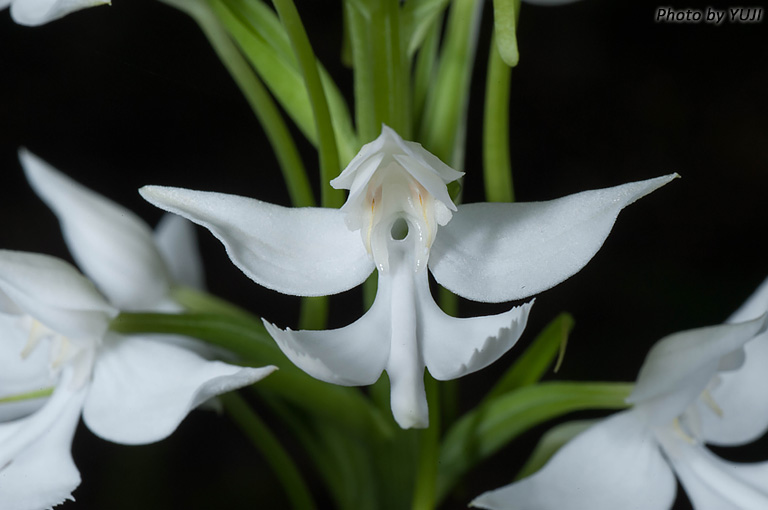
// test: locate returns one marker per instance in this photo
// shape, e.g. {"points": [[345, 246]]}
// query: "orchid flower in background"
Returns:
{"points": [[39, 12], [132, 266], [400, 220], [130, 389], [700, 386]]}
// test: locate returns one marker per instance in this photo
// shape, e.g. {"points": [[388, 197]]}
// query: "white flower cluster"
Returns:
{"points": [[58, 358]]}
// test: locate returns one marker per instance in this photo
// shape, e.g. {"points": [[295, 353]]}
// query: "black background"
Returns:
{"points": [[131, 94]]}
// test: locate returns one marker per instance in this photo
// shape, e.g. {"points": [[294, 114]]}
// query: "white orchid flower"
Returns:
{"points": [[686, 396], [400, 220], [39, 12], [54, 334]]}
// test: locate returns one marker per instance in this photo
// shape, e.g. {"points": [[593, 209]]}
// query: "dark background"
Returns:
{"points": [[131, 94]]}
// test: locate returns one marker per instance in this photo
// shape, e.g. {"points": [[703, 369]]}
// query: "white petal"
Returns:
{"points": [[38, 12], [502, 252], [615, 464], [456, 347], [143, 388], [53, 292], [680, 366], [305, 251], [354, 355], [176, 239], [113, 246], [41, 474], [713, 483]]}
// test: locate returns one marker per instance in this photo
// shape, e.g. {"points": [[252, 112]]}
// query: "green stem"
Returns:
{"points": [[389, 81], [362, 60], [271, 450], [424, 72], [329, 156], [314, 312], [506, 14], [398, 66], [497, 164], [257, 96], [429, 449], [377, 27], [443, 127]]}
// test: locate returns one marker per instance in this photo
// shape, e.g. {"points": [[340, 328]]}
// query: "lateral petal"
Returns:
{"points": [[143, 388], [354, 355], [495, 252], [455, 347], [176, 240], [112, 246], [305, 251], [613, 464]]}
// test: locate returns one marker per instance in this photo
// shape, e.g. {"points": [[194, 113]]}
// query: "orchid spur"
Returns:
{"points": [[400, 220], [39, 12], [696, 387], [54, 324]]}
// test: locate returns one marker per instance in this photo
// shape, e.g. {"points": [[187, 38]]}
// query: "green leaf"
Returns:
{"points": [[550, 443], [531, 366], [256, 95], [279, 72], [265, 30], [492, 425], [419, 18], [264, 21]]}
